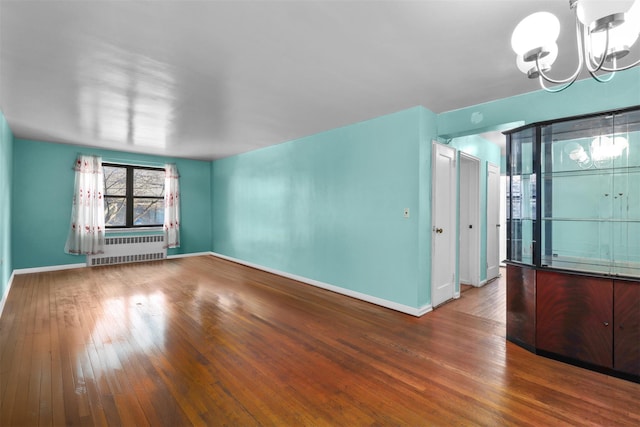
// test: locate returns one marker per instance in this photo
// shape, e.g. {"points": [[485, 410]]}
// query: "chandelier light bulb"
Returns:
{"points": [[529, 67], [632, 18], [621, 38], [535, 31], [523, 65], [600, 14]]}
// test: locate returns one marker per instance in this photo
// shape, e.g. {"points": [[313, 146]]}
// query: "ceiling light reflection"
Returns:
{"points": [[125, 97], [129, 324]]}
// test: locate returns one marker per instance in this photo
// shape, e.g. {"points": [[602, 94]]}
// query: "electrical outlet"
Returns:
{"points": [[406, 212]]}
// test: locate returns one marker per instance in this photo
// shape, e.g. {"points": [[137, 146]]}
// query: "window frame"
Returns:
{"points": [[129, 196]]}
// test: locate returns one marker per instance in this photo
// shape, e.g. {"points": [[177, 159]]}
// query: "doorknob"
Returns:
{"points": [[438, 230]]}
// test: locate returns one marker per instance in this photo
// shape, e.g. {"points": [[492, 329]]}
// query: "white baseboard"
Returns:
{"points": [[187, 255], [82, 265], [48, 268], [6, 293], [358, 295], [423, 310]]}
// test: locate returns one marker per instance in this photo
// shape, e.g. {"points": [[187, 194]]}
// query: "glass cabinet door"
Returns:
{"points": [[589, 189], [625, 210], [521, 196]]}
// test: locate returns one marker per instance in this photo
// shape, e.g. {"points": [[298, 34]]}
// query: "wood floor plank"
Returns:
{"points": [[58, 416], [22, 413], [11, 345], [203, 341]]}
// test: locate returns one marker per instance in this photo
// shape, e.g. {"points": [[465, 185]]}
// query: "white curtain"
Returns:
{"points": [[171, 206], [86, 233]]}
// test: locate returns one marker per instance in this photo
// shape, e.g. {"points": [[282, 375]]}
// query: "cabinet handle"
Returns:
{"points": [[621, 326], [606, 323]]}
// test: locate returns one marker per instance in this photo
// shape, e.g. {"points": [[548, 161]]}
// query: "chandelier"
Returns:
{"points": [[605, 32]]}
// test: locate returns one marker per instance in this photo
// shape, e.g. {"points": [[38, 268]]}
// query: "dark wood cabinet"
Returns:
{"points": [[575, 317], [521, 306], [626, 331], [572, 241], [592, 321]]}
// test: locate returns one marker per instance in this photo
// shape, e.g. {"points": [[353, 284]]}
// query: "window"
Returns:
{"points": [[133, 196]]}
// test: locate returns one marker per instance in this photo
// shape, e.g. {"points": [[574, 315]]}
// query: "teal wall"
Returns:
{"points": [[585, 96], [6, 155], [487, 152], [329, 207], [43, 182]]}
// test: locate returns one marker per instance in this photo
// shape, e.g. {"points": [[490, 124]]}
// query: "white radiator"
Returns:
{"points": [[119, 250]]}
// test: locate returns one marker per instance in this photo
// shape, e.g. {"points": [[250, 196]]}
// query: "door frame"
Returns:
{"points": [[502, 245], [493, 226], [472, 255]]}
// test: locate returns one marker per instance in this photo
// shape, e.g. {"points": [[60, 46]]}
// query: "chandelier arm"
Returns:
{"points": [[591, 61], [603, 79], [554, 89], [570, 80], [599, 66]]}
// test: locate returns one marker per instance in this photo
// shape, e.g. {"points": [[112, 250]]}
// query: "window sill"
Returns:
{"points": [[133, 230]]}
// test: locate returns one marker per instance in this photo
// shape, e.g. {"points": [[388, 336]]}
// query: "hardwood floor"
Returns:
{"points": [[204, 341]]}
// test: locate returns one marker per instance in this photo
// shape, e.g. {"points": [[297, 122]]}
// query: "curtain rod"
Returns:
{"points": [[133, 163]]}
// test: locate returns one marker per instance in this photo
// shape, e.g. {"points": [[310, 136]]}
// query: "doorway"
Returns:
{"points": [[469, 222]]}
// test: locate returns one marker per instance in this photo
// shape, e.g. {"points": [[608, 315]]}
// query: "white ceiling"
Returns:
{"points": [[208, 79]]}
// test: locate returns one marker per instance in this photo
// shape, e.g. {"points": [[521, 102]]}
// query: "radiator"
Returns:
{"points": [[119, 250]]}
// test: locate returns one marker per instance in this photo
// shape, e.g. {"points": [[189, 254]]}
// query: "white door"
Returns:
{"points": [[493, 221], [469, 208], [443, 221]]}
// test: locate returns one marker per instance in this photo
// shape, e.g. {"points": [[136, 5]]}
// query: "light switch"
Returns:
{"points": [[406, 212]]}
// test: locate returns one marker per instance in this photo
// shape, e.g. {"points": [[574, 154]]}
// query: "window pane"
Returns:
{"points": [[115, 211], [115, 181], [148, 211], [148, 183]]}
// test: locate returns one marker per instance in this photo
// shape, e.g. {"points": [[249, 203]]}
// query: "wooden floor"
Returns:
{"points": [[207, 342]]}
